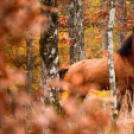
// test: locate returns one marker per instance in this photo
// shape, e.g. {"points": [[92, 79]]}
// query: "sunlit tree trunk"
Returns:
{"points": [[29, 65], [49, 49], [112, 83], [121, 22], [76, 30], [104, 4]]}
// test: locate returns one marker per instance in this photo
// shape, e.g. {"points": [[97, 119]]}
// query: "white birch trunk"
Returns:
{"points": [[112, 83]]}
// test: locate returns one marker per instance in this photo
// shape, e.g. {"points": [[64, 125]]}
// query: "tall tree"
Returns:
{"points": [[112, 83], [132, 9], [104, 6], [49, 48], [76, 30], [121, 22], [29, 65], [42, 73]]}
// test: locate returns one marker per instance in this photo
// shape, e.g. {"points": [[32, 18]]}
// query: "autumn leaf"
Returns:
{"points": [[70, 41], [98, 37], [105, 53], [57, 2]]}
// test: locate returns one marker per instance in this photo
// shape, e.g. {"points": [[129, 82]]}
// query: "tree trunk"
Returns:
{"points": [[76, 30], [132, 9], [112, 83], [49, 49], [104, 4], [42, 73], [29, 66], [121, 22]]}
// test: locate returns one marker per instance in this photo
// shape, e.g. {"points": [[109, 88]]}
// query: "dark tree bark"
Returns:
{"points": [[49, 41], [42, 73], [104, 5], [49, 49], [76, 30], [29, 65], [121, 22]]}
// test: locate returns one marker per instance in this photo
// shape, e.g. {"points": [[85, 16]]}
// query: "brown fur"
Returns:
{"points": [[96, 71]]}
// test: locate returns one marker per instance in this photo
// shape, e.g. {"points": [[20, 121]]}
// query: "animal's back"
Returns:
{"points": [[96, 71], [91, 71]]}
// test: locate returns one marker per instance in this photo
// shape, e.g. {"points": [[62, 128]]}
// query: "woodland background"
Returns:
{"points": [[17, 53], [21, 68]]}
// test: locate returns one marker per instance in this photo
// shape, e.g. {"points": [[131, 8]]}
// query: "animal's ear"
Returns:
{"points": [[62, 72]]}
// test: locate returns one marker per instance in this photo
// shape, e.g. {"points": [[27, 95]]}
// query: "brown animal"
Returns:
{"points": [[96, 71]]}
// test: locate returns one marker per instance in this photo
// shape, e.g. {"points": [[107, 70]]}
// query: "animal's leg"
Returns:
{"points": [[120, 96], [130, 100]]}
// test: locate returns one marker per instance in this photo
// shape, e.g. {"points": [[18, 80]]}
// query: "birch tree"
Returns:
{"points": [[49, 49], [76, 30], [104, 6], [112, 83], [121, 22]]}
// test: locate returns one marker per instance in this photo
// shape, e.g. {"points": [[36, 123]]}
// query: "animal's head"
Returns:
{"points": [[127, 49]]}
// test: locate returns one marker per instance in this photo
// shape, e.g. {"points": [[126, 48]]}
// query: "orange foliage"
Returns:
{"points": [[67, 41], [63, 21], [105, 53]]}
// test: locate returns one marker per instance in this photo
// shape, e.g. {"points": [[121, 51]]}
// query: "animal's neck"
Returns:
{"points": [[131, 59]]}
